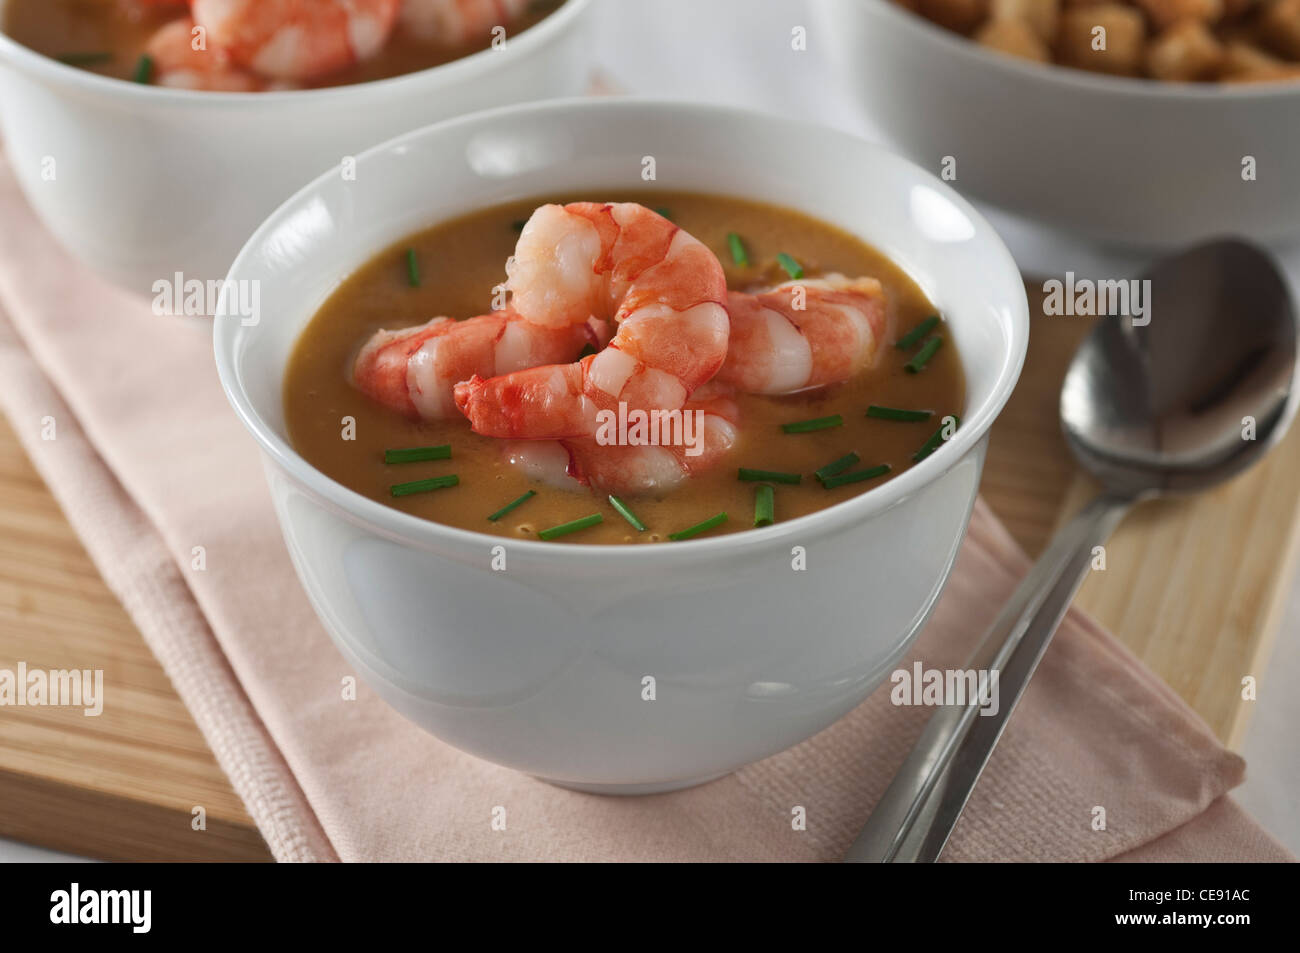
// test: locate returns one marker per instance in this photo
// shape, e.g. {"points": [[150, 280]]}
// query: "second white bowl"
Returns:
{"points": [[1129, 161]]}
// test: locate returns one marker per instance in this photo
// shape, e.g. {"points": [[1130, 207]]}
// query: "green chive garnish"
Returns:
{"points": [[418, 454], [664, 213], [817, 423], [764, 505], [737, 250], [699, 528], [913, 337], [564, 529], [626, 513], [857, 476], [512, 505], [518, 224], [936, 438], [894, 413], [86, 59], [424, 486], [768, 476], [412, 268], [838, 466], [144, 70], [922, 357], [792, 267]]}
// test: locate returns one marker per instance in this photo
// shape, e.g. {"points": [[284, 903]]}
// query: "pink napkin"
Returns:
{"points": [[150, 462]]}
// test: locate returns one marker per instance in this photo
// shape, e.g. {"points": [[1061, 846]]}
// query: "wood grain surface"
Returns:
{"points": [[1193, 587], [122, 785]]}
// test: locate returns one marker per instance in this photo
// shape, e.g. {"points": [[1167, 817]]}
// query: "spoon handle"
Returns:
{"points": [[913, 819]]}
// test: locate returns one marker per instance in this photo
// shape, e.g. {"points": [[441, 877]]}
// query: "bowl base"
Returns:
{"points": [[656, 787]]}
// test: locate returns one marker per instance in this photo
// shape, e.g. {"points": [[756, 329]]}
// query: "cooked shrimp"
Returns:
{"points": [[457, 22], [663, 288], [414, 370], [177, 63], [778, 348], [296, 39], [636, 470]]}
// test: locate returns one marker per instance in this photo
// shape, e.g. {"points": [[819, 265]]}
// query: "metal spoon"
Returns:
{"points": [[1162, 408]]}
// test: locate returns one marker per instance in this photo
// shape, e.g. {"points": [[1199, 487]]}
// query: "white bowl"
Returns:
{"points": [[541, 667], [1130, 161], [152, 181]]}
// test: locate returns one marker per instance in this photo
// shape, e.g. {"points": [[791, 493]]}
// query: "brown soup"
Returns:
{"points": [[461, 260], [109, 37]]}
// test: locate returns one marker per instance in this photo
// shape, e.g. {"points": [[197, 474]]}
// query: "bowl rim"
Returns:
{"points": [[427, 534], [454, 72], [1067, 77]]}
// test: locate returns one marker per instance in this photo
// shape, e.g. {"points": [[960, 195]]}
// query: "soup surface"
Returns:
{"points": [[109, 37], [460, 262]]}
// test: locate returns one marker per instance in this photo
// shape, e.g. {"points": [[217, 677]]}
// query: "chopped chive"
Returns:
{"points": [[768, 476], [587, 351], [764, 505], [838, 466], [564, 529], [817, 423], [144, 70], [737, 250], [518, 224], [857, 476], [424, 486], [664, 212], [894, 413], [936, 438], [86, 59], [913, 337], [922, 357], [626, 513], [792, 267], [418, 454], [512, 505], [698, 528], [412, 268]]}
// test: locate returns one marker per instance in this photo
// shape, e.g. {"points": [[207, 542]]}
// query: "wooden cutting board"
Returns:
{"points": [[1193, 587]]}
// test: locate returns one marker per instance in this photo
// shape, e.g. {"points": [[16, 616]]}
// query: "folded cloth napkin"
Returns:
{"points": [[149, 462]]}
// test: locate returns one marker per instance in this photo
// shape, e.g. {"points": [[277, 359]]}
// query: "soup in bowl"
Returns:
{"points": [[603, 657], [152, 159], [836, 373]]}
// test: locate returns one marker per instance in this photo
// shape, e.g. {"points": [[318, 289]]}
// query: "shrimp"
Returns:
{"points": [[296, 39], [180, 65], [639, 469], [453, 23], [414, 370], [778, 348], [663, 288]]}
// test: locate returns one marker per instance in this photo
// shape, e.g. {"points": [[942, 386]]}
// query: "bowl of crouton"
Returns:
{"points": [[1145, 123]]}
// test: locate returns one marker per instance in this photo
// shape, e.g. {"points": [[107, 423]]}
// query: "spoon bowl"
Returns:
{"points": [[1197, 392]]}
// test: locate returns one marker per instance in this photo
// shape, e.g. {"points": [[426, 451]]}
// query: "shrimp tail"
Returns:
{"points": [[539, 402]]}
